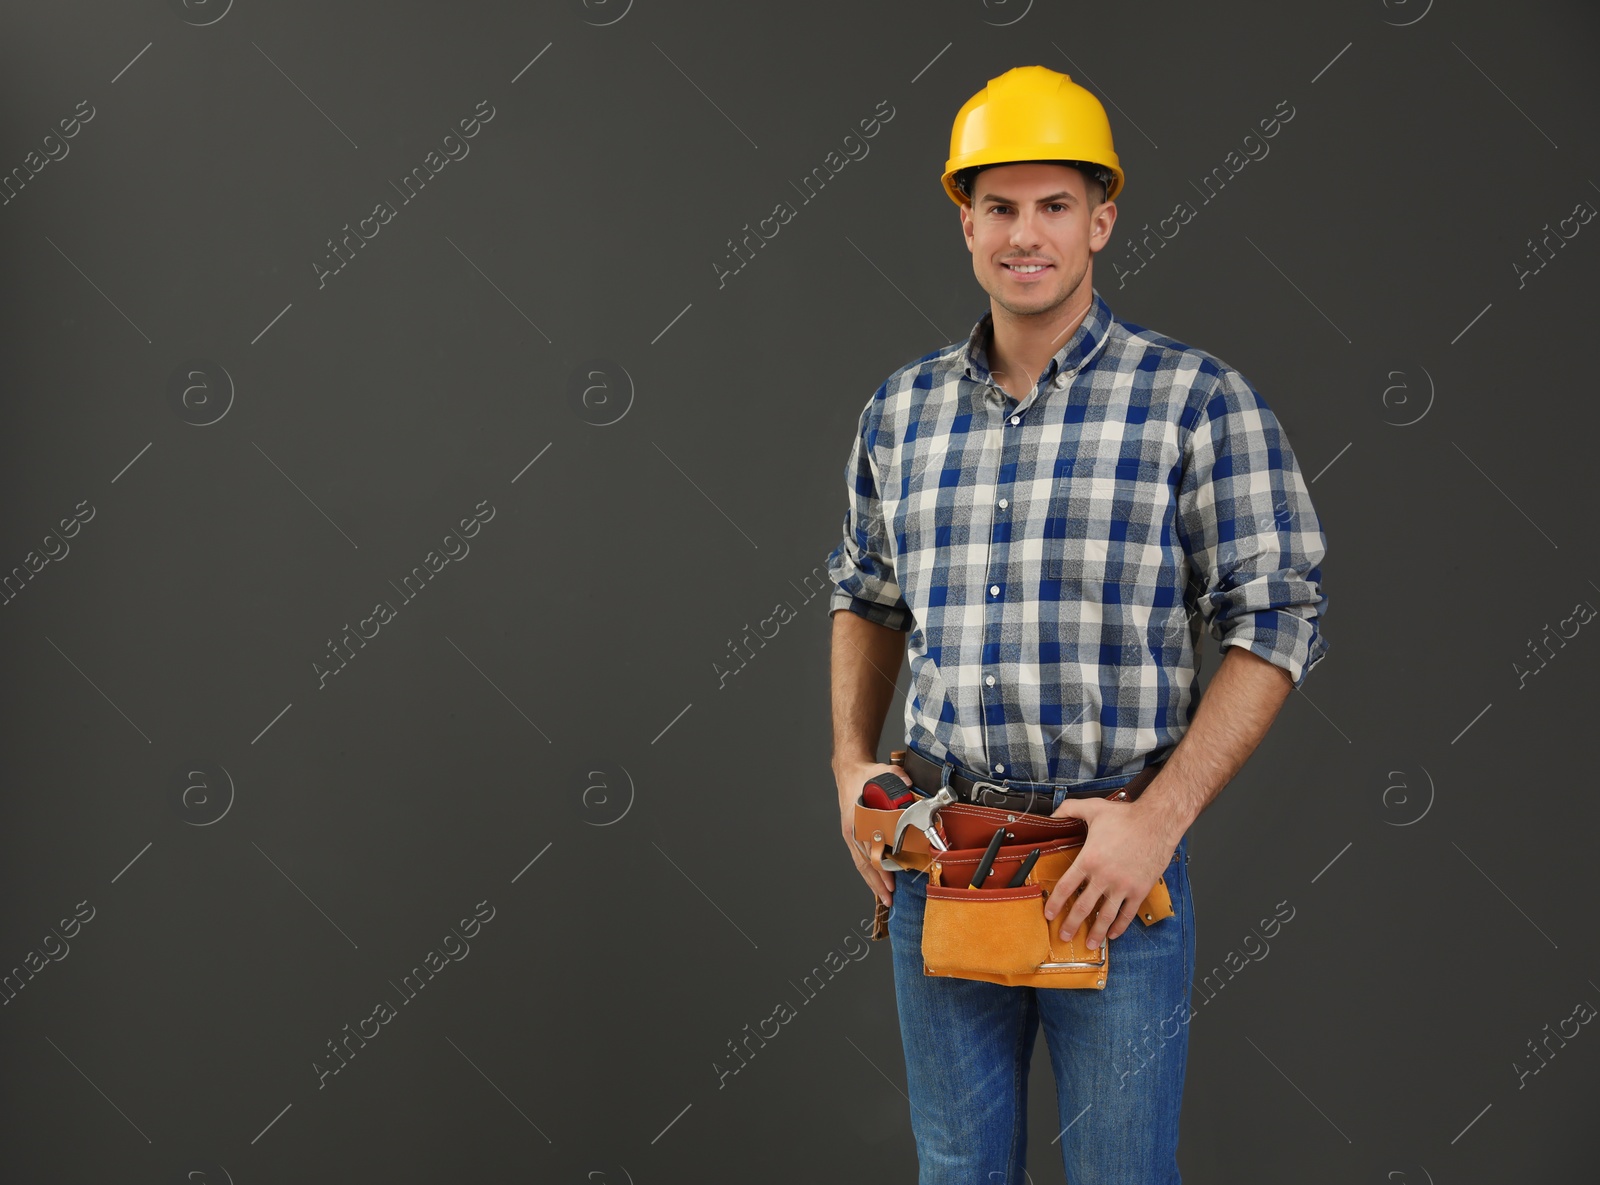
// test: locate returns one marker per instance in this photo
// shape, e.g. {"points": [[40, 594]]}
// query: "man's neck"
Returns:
{"points": [[1021, 347]]}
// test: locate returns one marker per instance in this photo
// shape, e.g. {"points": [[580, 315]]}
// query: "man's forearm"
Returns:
{"points": [[1238, 707], [865, 662]]}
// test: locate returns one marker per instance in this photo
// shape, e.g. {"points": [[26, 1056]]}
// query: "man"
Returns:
{"points": [[1049, 512]]}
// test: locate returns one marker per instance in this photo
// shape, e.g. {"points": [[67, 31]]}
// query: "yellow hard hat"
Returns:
{"points": [[1031, 113]]}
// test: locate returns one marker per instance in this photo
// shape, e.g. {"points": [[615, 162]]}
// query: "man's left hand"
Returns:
{"points": [[1127, 848]]}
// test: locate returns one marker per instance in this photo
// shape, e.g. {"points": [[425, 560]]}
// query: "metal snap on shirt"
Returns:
{"points": [[1150, 493]]}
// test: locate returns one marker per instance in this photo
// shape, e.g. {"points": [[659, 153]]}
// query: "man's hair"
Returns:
{"points": [[1093, 175]]}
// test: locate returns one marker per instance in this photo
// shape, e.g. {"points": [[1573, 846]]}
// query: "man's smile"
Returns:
{"points": [[1025, 269]]}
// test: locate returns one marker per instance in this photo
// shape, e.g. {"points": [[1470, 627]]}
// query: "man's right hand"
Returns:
{"points": [[850, 779]]}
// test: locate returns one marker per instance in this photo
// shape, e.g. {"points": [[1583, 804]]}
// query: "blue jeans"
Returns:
{"points": [[1118, 1054]]}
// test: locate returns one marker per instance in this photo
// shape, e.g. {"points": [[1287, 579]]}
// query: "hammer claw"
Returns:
{"points": [[920, 815]]}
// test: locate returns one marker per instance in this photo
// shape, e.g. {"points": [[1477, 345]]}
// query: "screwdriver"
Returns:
{"points": [[981, 873], [1023, 869]]}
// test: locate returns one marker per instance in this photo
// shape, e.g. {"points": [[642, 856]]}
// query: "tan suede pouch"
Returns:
{"points": [[993, 931], [997, 934], [1000, 935]]}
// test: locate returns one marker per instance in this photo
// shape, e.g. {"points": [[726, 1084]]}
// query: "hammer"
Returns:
{"points": [[920, 815]]}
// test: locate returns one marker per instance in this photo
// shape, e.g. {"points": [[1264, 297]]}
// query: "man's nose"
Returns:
{"points": [[1025, 231]]}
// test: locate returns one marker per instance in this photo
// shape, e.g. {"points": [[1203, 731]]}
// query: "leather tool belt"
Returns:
{"points": [[925, 775], [998, 935]]}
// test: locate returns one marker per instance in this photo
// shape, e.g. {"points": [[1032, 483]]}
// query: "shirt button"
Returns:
{"points": [[999, 769], [1016, 419], [1004, 502], [989, 679], [994, 590]]}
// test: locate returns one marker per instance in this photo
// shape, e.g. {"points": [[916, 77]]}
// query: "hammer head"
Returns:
{"points": [[920, 815]]}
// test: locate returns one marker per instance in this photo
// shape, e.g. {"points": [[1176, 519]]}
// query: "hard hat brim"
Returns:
{"points": [[1029, 152]]}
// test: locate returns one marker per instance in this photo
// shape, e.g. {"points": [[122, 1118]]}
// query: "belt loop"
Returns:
{"points": [[944, 773]]}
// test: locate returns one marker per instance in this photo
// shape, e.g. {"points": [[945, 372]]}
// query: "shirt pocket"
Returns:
{"points": [[1079, 526], [1100, 514]]}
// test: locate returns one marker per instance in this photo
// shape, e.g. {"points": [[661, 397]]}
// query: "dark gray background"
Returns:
{"points": [[552, 697]]}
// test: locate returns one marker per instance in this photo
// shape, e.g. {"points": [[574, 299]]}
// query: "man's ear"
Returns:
{"points": [[1105, 217]]}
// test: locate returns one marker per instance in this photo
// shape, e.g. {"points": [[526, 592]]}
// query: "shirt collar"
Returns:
{"points": [[1079, 350]]}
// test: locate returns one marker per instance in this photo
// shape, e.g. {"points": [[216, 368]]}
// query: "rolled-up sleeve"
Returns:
{"points": [[1252, 538], [862, 566]]}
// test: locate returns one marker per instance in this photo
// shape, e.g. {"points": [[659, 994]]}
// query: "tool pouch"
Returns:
{"points": [[996, 934]]}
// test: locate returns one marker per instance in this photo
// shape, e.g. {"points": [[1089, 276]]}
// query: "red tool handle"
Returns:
{"points": [[887, 792]]}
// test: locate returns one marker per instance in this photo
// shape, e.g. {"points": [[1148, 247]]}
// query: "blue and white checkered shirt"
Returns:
{"points": [[1054, 559]]}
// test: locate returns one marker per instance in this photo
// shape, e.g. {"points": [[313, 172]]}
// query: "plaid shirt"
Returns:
{"points": [[1054, 559]]}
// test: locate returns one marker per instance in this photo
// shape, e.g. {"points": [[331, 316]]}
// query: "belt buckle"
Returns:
{"points": [[979, 789]]}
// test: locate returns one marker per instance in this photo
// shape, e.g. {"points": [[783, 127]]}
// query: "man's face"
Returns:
{"points": [[1034, 214]]}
